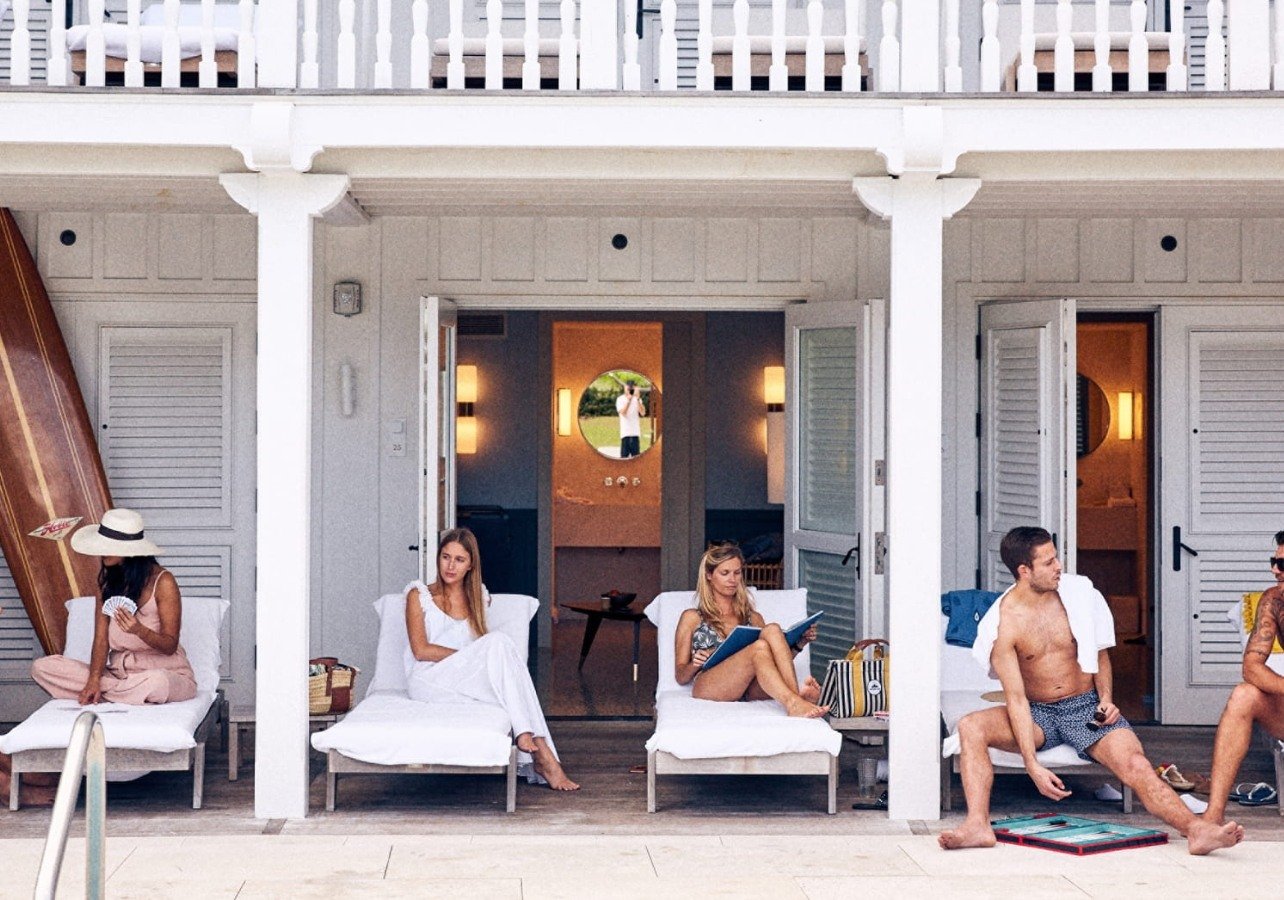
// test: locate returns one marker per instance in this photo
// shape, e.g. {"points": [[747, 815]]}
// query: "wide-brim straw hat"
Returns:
{"points": [[120, 533]]}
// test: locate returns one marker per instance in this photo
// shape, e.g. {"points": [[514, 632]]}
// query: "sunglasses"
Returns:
{"points": [[1098, 717], [1277, 562]]}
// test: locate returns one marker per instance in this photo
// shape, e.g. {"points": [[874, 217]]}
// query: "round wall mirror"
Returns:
{"points": [[620, 414], [1093, 416]]}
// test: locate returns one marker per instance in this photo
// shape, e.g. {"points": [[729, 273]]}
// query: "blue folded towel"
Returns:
{"points": [[965, 609]]}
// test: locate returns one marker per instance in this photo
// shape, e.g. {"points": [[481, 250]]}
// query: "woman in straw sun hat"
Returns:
{"points": [[136, 657]]}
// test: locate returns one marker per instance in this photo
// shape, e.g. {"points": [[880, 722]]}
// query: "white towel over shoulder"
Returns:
{"points": [[1091, 623]]}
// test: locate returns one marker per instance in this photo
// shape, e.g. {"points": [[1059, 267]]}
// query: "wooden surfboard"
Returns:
{"points": [[51, 467]]}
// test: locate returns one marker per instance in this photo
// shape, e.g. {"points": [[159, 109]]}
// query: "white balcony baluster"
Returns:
{"points": [[1175, 76], [889, 51], [1278, 71], [740, 72], [1215, 49], [953, 47], [530, 44], [383, 46], [778, 74], [567, 50], [1248, 28], [991, 65], [494, 45], [632, 76], [20, 42], [133, 44], [851, 47], [1102, 76], [455, 41], [704, 47], [171, 61], [95, 46], [207, 71], [56, 69], [815, 47], [310, 70], [420, 47], [1027, 74], [246, 47], [1063, 50], [668, 45], [1138, 49], [347, 55]]}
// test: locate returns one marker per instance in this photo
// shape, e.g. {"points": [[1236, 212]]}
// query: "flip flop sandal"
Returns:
{"points": [[1241, 790], [1175, 779], [1261, 794]]}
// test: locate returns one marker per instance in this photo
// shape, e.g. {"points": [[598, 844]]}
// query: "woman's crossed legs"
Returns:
{"points": [[763, 670]]}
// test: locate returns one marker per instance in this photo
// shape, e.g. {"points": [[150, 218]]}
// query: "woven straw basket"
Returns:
{"points": [[330, 691]]}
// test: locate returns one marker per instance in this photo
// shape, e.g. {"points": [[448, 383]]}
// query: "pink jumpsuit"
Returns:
{"points": [[135, 673]]}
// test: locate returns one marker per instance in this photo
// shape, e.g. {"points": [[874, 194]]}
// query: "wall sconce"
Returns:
{"points": [[563, 411], [347, 298], [1126, 413], [773, 392], [465, 417]]}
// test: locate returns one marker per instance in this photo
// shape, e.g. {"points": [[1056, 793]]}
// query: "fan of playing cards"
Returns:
{"points": [[111, 604]]}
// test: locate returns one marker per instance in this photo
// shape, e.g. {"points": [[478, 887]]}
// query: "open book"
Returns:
{"points": [[743, 635]]}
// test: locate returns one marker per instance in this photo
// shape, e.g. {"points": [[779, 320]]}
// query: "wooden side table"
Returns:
{"points": [[243, 714], [597, 610], [868, 731]]}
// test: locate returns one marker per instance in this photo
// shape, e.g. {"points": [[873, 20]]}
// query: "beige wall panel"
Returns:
{"points": [[59, 260], [180, 246], [1216, 251], [673, 243], [875, 277], [512, 248], [125, 249], [1108, 250], [1158, 264], [999, 245], [836, 253], [566, 249], [619, 265], [460, 248], [1267, 243], [726, 249], [1056, 250], [236, 247], [780, 250]]}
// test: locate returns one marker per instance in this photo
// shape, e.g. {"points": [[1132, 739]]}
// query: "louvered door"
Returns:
{"points": [[826, 468], [1027, 354], [438, 322], [18, 644], [1222, 472]]}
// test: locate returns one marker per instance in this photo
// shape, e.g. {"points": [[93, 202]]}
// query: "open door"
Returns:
{"points": [[1222, 500], [437, 323], [1027, 358], [826, 468]]}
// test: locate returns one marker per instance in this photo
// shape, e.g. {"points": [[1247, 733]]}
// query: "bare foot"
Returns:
{"points": [[799, 708], [40, 793], [526, 743], [1205, 837], [1208, 817], [550, 770], [810, 690], [967, 836]]}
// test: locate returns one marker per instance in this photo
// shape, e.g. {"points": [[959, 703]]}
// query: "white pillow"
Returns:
{"points": [[781, 607], [509, 614], [198, 636]]}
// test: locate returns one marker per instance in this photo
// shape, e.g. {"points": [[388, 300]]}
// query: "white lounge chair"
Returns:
{"points": [[140, 739], [388, 733], [705, 737], [962, 684], [1276, 664]]}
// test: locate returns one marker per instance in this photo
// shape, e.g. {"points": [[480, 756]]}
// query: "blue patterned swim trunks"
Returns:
{"points": [[1066, 722]]}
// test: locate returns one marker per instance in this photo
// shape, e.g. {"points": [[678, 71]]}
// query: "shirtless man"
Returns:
{"points": [[1051, 700], [1259, 698]]}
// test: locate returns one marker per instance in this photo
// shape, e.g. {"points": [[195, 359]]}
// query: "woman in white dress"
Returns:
{"points": [[452, 654]]}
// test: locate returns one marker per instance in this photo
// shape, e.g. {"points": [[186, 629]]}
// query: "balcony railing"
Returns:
{"points": [[847, 46]]}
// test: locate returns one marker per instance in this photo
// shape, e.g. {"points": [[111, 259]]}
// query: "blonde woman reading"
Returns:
{"points": [[452, 654], [762, 671]]}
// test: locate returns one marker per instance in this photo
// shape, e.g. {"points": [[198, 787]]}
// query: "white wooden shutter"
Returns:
{"points": [[165, 422], [38, 25], [18, 644], [203, 570], [1196, 26], [1026, 349]]}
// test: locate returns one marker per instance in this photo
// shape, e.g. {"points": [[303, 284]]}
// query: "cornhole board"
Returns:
{"points": [[51, 467], [1074, 835]]}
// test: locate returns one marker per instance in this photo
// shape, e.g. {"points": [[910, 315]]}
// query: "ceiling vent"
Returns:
{"points": [[483, 325]]}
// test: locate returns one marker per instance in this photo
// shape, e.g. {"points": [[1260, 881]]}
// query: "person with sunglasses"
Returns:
{"points": [[1258, 698]]}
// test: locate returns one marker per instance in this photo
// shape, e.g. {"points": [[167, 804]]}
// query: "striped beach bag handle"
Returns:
{"points": [[856, 685]]}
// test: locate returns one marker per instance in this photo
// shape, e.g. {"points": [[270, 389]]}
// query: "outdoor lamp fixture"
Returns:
{"points": [[465, 417], [563, 411], [1126, 413], [773, 392]]}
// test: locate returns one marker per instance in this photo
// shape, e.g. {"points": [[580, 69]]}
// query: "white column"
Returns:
{"points": [[599, 46], [278, 43], [921, 45], [285, 203], [917, 205]]}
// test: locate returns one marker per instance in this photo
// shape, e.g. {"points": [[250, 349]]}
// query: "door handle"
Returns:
{"points": [[1178, 547], [854, 551]]}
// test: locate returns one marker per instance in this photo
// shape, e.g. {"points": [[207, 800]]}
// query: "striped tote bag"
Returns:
{"points": [[856, 685]]}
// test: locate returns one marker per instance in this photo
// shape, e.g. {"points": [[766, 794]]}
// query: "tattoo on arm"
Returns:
{"points": [[1265, 630]]}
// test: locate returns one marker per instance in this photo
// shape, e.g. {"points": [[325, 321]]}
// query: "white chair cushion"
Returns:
{"points": [[391, 729], [163, 727], [707, 729]]}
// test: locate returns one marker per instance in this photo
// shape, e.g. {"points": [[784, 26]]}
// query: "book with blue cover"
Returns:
{"points": [[743, 635]]}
